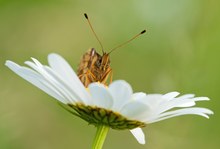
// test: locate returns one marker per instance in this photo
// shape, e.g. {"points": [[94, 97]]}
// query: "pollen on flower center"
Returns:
{"points": [[97, 116]]}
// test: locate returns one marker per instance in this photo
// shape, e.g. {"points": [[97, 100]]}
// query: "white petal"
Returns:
{"points": [[173, 104], [201, 99], [139, 135], [60, 65], [134, 110], [186, 96], [179, 102], [186, 111], [36, 62], [100, 95], [53, 81], [188, 104], [152, 100], [121, 92], [171, 95], [192, 103], [35, 79], [139, 96], [68, 90], [72, 94]]}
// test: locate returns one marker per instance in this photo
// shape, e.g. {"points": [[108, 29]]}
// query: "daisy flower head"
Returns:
{"points": [[115, 106]]}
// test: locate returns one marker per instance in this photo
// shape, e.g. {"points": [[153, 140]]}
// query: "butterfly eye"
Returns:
{"points": [[98, 63]]}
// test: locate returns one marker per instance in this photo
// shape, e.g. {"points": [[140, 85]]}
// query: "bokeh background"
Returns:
{"points": [[180, 52]]}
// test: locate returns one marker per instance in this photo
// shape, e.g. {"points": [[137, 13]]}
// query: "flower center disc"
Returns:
{"points": [[101, 116]]}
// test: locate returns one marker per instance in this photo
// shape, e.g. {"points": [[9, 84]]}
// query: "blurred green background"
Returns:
{"points": [[180, 52]]}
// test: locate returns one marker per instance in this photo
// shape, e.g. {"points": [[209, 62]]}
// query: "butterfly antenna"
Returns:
{"points": [[90, 25], [127, 41]]}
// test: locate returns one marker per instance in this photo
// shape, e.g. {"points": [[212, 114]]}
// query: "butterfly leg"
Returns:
{"points": [[87, 78], [105, 76], [111, 76]]}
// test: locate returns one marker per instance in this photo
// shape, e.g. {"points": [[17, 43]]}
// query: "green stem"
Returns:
{"points": [[100, 136]]}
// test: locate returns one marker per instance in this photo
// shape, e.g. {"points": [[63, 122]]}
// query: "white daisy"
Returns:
{"points": [[115, 106]]}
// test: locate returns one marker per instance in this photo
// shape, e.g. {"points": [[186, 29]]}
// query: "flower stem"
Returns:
{"points": [[100, 136]]}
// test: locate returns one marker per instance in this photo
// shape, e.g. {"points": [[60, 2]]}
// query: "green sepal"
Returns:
{"points": [[69, 109], [100, 116]]}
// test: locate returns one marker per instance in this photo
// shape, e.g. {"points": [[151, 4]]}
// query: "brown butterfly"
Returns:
{"points": [[94, 67]]}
